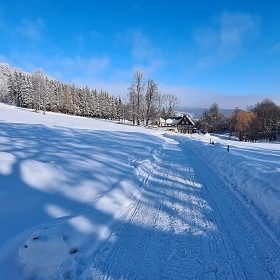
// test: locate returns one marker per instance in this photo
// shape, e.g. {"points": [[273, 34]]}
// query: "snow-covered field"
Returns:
{"points": [[91, 199]]}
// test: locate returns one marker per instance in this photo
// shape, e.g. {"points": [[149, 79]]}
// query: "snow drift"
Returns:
{"points": [[252, 169]]}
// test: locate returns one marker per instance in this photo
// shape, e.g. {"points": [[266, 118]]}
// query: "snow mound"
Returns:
{"points": [[45, 255]]}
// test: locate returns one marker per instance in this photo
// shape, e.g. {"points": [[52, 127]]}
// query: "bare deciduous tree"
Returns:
{"points": [[269, 116], [135, 94], [172, 103], [151, 93]]}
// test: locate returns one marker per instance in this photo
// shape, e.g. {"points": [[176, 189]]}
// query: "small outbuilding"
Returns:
{"points": [[186, 125]]}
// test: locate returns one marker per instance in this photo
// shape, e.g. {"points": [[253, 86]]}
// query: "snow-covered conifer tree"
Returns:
{"points": [[5, 72]]}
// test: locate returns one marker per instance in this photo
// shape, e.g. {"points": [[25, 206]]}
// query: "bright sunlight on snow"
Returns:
{"points": [[92, 199]]}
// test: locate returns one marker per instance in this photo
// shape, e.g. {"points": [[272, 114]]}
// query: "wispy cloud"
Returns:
{"points": [[80, 70], [141, 47], [144, 54], [32, 29], [225, 38], [235, 30]]}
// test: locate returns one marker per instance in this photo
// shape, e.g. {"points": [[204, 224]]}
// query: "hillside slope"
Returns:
{"points": [[91, 199]]}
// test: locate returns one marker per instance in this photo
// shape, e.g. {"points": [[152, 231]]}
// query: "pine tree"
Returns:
{"points": [[5, 72], [39, 85]]}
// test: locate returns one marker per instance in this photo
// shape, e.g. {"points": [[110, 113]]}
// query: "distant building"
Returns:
{"points": [[182, 124], [185, 125]]}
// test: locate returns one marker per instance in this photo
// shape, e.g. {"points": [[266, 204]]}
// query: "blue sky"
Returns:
{"points": [[202, 51]]}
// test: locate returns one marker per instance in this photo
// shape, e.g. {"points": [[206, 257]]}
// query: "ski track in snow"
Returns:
{"points": [[118, 202], [187, 225]]}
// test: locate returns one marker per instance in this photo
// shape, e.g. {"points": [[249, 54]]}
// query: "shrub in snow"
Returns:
{"points": [[46, 256]]}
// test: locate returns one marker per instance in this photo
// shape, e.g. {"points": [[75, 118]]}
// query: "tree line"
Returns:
{"points": [[39, 92], [145, 104], [260, 121]]}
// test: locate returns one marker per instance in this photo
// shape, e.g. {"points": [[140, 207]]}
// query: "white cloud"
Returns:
{"points": [[32, 29], [144, 55], [81, 70], [235, 29], [224, 39], [141, 48]]}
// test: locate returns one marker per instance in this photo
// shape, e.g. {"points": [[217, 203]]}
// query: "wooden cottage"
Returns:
{"points": [[186, 125]]}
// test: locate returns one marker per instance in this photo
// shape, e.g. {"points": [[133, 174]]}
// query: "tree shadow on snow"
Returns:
{"points": [[103, 205]]}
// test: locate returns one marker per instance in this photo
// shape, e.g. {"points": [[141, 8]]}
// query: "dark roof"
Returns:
{"points": [[186, 120]]}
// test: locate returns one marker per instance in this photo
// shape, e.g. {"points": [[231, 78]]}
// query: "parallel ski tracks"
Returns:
{"points": [[186, 225], [131, 231], [252, 252]]}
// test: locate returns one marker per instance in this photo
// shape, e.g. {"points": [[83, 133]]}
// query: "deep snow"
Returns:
{"points": [[252, 169], [83, 199]]}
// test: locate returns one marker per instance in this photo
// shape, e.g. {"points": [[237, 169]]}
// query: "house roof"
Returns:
{"points": [[185, 119]]}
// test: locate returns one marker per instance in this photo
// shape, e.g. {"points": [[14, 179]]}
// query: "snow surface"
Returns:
{"points": [[91, 199]]}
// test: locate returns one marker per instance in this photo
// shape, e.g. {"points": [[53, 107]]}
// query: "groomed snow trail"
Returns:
{"points": [[186, 225]]}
